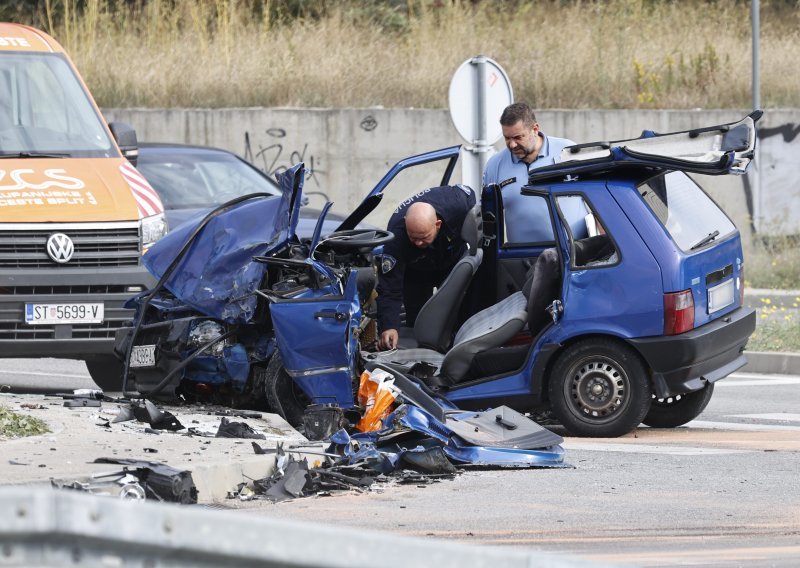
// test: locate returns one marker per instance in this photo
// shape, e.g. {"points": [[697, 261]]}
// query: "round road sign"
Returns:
{"points": [[465, 100]]}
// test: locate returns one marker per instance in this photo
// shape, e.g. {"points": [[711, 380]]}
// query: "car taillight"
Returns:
{"points": [[678, 312]]}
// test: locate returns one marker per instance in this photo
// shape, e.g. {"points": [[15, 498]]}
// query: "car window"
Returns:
{"points": [[526, 220], [687, 213], [187, 180], [589, 241], [408, 183]]}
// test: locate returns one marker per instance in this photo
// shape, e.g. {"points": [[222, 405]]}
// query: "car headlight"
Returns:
{"points": [[153, 228], [202, 332]]}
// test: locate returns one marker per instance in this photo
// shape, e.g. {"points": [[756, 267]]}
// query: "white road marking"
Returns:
{"points": [[785, 416], [753, 380], [648, 449], [49, 375], [709, 425]]}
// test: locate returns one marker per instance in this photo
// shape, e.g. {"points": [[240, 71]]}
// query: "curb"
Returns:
{"points": [[772, 363]]}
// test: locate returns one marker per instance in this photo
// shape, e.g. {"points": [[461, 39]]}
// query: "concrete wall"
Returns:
{"points": [[349, 150]]}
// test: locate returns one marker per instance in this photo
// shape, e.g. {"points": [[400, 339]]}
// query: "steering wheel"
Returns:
{"points": [[357, 238]]}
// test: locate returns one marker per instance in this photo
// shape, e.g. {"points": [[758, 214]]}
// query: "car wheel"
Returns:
{"points": [[678, 410], [599, 388], [284, 397], [106, 372]]}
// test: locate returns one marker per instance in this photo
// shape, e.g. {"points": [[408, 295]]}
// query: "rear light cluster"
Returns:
{"points": [[678, 312]]}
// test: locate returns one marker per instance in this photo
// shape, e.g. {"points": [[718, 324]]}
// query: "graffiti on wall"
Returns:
{"points": [[274, 156]]}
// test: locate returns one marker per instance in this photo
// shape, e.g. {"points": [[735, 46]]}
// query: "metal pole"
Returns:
{"points": [[480, 143], [756, 87], [755, 174]]}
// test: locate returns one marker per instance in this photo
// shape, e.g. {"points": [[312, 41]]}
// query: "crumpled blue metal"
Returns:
{"points": [[361, 448], [384, 456], [217, 275], [419, 420], [506, 457]]}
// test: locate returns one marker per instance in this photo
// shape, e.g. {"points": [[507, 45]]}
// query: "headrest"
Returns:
{"points": [[472, 229]]}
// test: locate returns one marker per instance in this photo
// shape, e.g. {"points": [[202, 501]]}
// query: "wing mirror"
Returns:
{"points": [[125, 136]]}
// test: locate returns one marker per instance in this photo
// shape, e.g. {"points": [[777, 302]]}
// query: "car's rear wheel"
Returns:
{"points": [[106, 372], [599, 388], [677, 410], [284, 397]]}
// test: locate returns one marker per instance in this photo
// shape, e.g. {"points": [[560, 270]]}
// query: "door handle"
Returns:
{"points": [[338, 316]]}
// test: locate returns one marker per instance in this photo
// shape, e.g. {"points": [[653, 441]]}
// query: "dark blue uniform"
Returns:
{"points": [[408, 273]]}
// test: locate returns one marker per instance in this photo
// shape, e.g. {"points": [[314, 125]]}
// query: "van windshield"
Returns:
{"points": [[44, 110], [689, 215]]}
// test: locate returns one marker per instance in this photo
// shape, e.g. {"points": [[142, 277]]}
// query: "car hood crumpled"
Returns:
{"points": [[209, 265]]}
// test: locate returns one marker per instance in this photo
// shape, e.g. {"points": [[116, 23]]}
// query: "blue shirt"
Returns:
{"points": [[527, 219]]}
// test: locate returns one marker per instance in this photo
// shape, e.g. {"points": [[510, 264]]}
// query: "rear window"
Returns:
{"points": [[688, 214]]}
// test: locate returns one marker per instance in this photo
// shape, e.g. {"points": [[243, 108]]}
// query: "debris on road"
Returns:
{"points": [[410, 445], [231, 429], [15, 425], [139, 480]]}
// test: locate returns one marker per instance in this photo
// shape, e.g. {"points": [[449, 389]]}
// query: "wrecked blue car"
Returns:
{"points": [[625, 313]]}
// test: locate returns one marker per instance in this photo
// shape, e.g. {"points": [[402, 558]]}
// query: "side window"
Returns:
{"points": [[526, 219], [590, 243]]}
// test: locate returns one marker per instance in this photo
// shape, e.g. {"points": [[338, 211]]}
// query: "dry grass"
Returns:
{"points": [[559, 54]]}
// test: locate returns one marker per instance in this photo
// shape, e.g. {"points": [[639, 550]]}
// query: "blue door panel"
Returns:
{"points": [[623, 299], [317, 342]]}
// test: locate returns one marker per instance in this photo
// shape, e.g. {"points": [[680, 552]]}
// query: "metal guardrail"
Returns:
{"points": [[43, 527]]}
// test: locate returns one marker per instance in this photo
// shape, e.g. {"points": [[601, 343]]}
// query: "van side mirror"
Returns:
{"points": [[125, 136]]}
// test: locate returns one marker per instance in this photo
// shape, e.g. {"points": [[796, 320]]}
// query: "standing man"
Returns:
{"points": [[527, 148], [427, 244]]}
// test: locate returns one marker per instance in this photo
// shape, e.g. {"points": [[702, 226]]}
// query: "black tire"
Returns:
{"points": [[599, 388], [284, 397], [678, 410], [106, 372]]}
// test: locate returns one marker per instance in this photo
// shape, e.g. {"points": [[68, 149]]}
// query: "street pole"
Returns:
{"points": [[756, 87], [480, 145]]}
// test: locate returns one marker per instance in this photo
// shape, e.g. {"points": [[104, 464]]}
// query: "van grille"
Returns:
{"points": [[98, 247], [22, 331]]}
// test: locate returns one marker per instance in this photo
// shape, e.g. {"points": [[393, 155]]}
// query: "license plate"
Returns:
{"points": [[37, 314], [143, 356], [720, 296]]}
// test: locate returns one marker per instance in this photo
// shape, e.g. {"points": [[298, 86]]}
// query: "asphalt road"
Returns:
{"points": [[721, 492]]}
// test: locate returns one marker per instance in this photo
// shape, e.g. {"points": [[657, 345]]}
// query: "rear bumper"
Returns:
{"points": [[55, 286], [686, 362]]}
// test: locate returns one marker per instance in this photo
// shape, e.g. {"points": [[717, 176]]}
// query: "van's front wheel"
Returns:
{"points": [[678, 410], [599, 388], [106, 372]]}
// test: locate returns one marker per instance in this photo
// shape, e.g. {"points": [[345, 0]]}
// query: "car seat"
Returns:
{"points": [[436, 320], [489, 328]]}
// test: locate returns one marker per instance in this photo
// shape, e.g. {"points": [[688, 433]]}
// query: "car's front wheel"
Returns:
{"points": [[284, 397], [677, 410], [599, 388]]}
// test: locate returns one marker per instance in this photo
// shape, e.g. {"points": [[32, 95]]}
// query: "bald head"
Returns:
{"points": [[422, 225]]}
